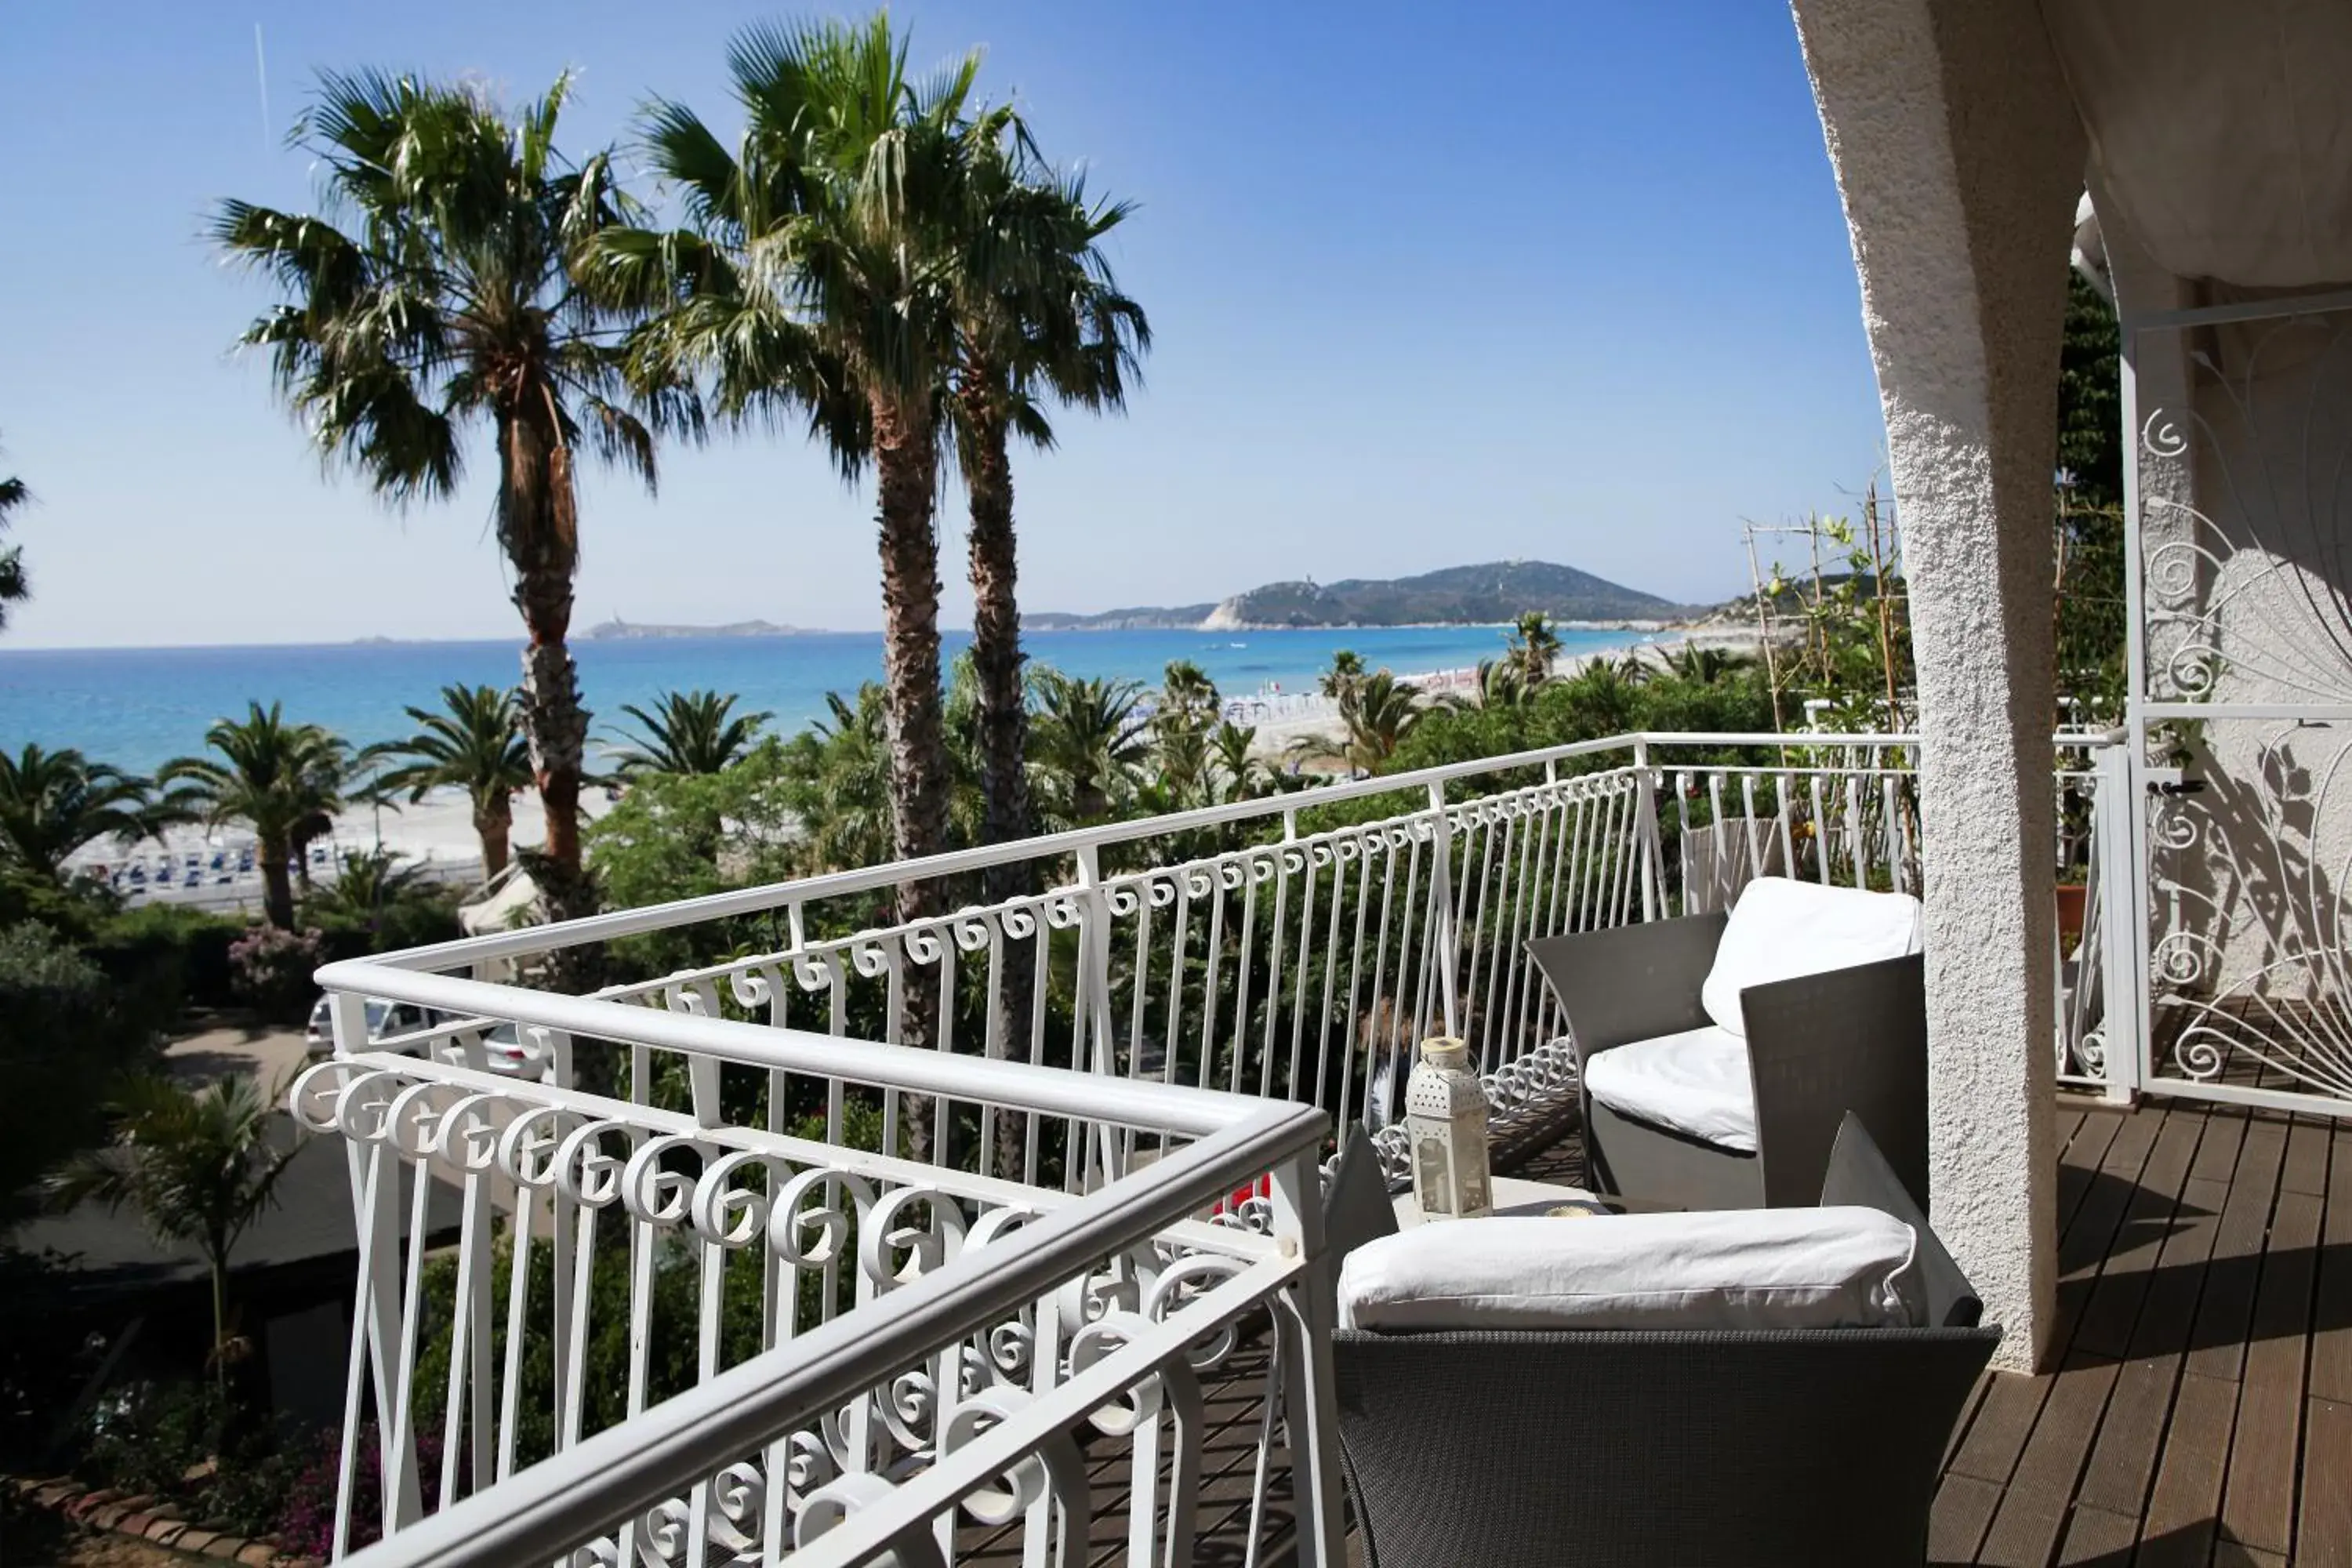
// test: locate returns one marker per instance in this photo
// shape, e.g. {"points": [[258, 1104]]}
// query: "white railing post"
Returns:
{"points": [[1094, 983], [1304, 1319], [1445, 923], [2114, 844], [375, 1172], [1646, 830]]}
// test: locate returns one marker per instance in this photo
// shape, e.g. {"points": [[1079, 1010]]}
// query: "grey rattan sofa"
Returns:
{"points": [[1817, 1047], [1791, 1448]]}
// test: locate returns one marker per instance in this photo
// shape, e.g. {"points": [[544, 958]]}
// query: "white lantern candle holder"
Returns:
{"points": [[1445, 1120]]}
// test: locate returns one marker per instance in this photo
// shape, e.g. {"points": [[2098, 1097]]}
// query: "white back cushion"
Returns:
{"points": [[1781, 929], [1734, 1268]]}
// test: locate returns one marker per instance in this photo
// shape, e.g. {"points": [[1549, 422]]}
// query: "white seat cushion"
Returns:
{"points": [[1695, 1082], [1782, 928], [1741, 1268]]}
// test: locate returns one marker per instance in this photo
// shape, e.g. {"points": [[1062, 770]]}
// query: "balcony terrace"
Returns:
{"points": [[1050, 1275]]}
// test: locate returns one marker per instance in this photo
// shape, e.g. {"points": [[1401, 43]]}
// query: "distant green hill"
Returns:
{"points": [[1459, 595]]}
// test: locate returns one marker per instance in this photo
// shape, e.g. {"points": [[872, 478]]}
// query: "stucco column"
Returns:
{"points": [[1960, 159]]}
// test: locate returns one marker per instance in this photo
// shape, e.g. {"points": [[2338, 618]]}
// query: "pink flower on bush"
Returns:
{"points": [[271, 967]]}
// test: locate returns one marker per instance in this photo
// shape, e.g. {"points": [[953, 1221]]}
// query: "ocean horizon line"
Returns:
{"points": [[795, 634], [137, 706]]}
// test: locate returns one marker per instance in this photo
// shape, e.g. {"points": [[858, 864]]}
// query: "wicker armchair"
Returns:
{"points": [[1785, 1448], [1817, 1047]]}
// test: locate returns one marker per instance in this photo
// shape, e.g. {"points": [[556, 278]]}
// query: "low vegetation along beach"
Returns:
{"points": [[1293, 726]]}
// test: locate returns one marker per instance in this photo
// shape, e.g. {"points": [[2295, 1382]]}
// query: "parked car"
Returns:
{"points": [[385, 1020], [512, 1055]]}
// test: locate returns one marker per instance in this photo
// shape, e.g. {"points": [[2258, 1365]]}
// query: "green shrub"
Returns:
{"points": [[415, 919], [188, 1442], [147, 1436], [182, 950], [77, 907], [67, 1029]]}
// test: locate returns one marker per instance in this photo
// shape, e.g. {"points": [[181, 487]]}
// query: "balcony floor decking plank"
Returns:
{"points": [[2306, 1170], [2258, 1509], [1964, 1511], [2104, 1322], [2183, 1510], [2331, 1339], [2035, 1505], [2225, 1312], [2103, 1259], [2097, 1539], [2324, 1523], [2006, 1420]]}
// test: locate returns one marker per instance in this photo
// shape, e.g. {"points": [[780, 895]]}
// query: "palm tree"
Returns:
{"points": [[1087, 736], [1233, 746], [1533, 645], [1339, 682], [1039, 316], [199, 1165], [368, 882], [1703, 666], [1381, 712], [839, 778], [1181, 725], [1603, 695], [284, 780], [448, 305], [1499, 684], [475, 743], [54, 803], [819, 277], [13, 588], [690, 732]]}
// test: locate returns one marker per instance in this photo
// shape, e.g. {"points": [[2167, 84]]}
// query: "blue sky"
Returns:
{"points": [[1429, 285]]}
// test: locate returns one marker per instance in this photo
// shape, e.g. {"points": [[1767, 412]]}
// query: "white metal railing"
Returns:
{"points": [[1295, 947], [820, 1349], [868, 1217]]}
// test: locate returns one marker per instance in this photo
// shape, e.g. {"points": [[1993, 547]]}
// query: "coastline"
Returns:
{"points": [[436, 835]]}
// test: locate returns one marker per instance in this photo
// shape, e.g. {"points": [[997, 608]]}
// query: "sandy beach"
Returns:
{"points": [[210, 867]]}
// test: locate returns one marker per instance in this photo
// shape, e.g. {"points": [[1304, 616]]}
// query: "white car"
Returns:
{"points": [[513, 1054], [384, 1019]]}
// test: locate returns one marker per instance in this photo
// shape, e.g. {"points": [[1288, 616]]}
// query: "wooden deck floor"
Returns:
{"points": [[2200, 1410]]}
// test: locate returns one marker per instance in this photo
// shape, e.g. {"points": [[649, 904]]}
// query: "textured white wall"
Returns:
{"points": [[1961, 161]]}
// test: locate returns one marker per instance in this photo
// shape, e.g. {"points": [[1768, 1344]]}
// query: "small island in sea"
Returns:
{"points": [[1493, 594], [618, 630], [1485, 594]]}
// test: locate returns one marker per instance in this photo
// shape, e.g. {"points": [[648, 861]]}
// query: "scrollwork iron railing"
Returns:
{"points": [[599, 1331], [838, 1240]]}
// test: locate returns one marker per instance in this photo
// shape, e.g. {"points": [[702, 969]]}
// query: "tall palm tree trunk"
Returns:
{"points": [[906, 471], [906, 464], [539, 523], [996, 640], [276, 882], [540, 528], [997, 658], [493, 823]]}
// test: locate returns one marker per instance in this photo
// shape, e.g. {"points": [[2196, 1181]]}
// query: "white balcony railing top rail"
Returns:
{"points": [[1276, 944], [1636, 748]]}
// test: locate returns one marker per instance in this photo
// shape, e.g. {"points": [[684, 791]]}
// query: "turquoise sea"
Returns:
{"points": [[136, 706]]}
